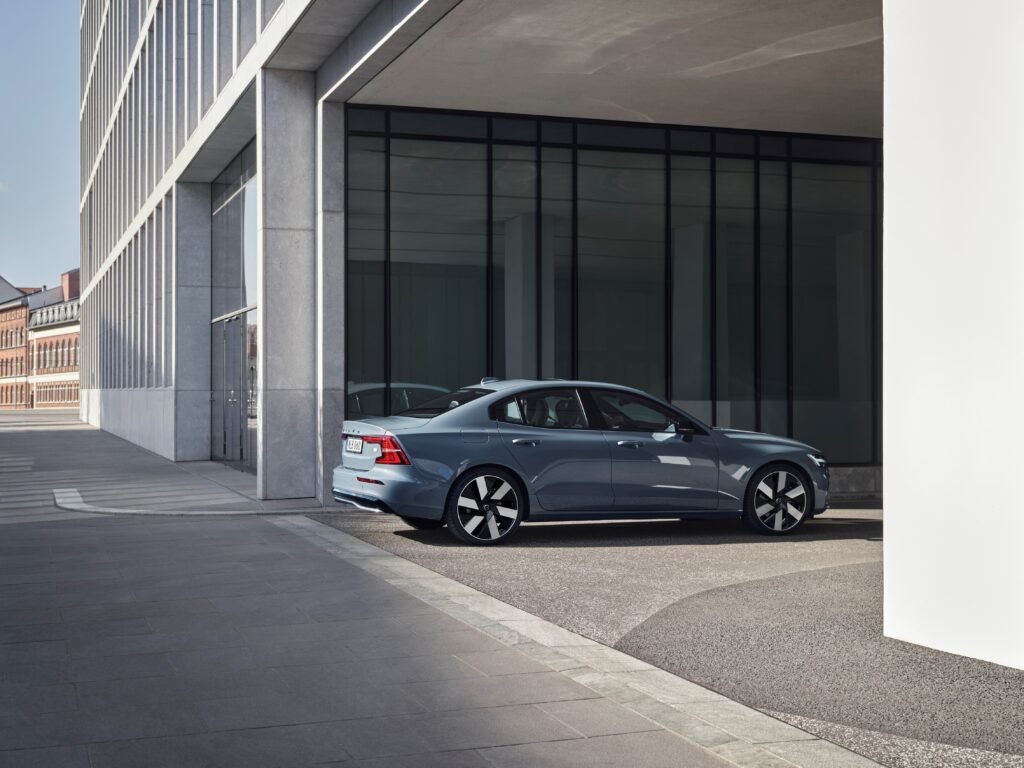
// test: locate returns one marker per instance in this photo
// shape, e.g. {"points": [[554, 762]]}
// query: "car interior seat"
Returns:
{"points": [[535, 411], [567, 414]]}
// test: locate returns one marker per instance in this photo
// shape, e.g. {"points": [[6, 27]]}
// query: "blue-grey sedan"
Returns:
{"points": [[484, 459]]}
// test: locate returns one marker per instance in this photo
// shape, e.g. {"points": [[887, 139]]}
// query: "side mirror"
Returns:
{"points": [[687, 434]]}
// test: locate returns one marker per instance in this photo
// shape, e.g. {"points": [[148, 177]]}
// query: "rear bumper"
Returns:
{"points": [[399, 490]]}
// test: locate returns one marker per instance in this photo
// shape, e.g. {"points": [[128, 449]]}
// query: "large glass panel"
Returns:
{"points": [[438, 265], [734, 294], [251, 402], [269, 9], [249, 233], [233, 257], [832, 281], [248, 10], [556, 264], [225, 49], [366, 348], [514, 233], [691, 285], [774, 344], [228, 389], [226, 288], [621, 264], [439, 124]]}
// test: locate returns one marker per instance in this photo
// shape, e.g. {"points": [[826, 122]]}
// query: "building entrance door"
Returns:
{"points": [[234, 402]]}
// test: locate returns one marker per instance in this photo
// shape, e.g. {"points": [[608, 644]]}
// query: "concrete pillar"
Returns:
{"points": [[953, 355], [191, 340], [330, 335], [286, 275]]}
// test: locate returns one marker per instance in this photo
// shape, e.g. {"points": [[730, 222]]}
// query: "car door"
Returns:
{"points": [[660, 459], [566, 460]]}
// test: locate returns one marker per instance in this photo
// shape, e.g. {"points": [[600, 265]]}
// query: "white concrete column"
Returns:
{"points": [[953, 277], [286, 254], [330, 282]]}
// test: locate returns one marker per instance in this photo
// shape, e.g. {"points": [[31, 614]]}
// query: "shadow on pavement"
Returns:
{"points": [[659, 533]]}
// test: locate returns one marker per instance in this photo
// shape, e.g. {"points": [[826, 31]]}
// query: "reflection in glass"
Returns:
{"points": [[832, 279], [251, 410], [774, 345], [734, 294], [556, 264], [621, 252], [438, 267], [234, 402], [691, 285], [770, 284], [514, 236], [366, 348]]}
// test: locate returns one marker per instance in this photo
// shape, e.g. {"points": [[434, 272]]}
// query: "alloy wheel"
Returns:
{"points": [[780, 500], [488, 507]]}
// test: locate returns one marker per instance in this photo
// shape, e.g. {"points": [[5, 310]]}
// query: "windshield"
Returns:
{"points": [[442, 403]]}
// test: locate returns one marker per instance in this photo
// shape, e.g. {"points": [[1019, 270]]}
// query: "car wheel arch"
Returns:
{"points": [[465, 470], [781, 462]]}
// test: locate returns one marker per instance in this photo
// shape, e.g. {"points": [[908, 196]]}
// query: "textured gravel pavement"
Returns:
{"points": [[791, 626]]}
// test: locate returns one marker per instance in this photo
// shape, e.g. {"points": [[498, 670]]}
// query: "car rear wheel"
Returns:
{"points": [[485, 507], [422, 524], [778, 501]]}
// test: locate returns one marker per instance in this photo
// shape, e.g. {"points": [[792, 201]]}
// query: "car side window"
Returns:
{"points": [[546, 409], [626, 412]]}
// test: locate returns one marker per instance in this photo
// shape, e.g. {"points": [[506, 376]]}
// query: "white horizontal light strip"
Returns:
{"points": [[362, 60], [233, 313], [129, 73], [95, 56], [231, 197], [268, 42]]}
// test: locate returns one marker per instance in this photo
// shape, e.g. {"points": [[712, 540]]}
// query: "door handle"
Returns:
{"points": [[528, 443], [629, 443]]}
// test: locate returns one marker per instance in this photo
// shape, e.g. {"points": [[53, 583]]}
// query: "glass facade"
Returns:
{"points": [[234, 402], [734, 273]]}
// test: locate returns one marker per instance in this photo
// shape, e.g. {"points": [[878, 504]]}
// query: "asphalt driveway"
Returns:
{"points": [[791, 626]]}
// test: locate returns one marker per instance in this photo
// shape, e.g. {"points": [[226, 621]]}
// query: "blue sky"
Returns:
{"points": [[39, 102]]}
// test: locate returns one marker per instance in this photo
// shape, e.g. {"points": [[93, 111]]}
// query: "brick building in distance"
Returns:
{"points": [[39, 345]]}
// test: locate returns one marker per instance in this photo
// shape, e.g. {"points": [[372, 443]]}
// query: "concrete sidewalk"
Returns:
{"points": [[43, 451], [128, 640]]}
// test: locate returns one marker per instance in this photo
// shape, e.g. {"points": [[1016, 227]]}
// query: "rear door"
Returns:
{"points": [[566, 460], [655, 465]]}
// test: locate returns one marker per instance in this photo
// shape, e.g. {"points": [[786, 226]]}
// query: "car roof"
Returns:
{"points": [[500, 385]]}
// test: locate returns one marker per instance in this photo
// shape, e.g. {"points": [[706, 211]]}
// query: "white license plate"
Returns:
{"points": [[354, 445]]}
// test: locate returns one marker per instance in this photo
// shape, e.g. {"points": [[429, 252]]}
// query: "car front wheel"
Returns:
{"points": [[777, 502], [485, 507]]}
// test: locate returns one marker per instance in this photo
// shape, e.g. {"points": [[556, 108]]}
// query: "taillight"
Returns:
{"points": [[390, 451]]}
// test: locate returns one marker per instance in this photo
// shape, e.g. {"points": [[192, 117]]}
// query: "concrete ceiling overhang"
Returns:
{"points": [[810, 66]]}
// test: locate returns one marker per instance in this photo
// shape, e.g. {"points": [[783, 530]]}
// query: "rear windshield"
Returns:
{"points": [[442, 403]]}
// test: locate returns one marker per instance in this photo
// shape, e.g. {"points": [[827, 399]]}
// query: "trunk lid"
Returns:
{"points": [[359, 455]]}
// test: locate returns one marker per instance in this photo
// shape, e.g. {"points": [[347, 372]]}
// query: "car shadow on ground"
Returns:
{"points": [[660, 533]]}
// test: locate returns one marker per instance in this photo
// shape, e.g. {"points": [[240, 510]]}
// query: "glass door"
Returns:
{"points": [[234, 402], [225, 407]]}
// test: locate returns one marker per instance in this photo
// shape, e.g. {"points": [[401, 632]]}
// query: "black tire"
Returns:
{"points": [[494, 493], [778, 500], [422, 524]]}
